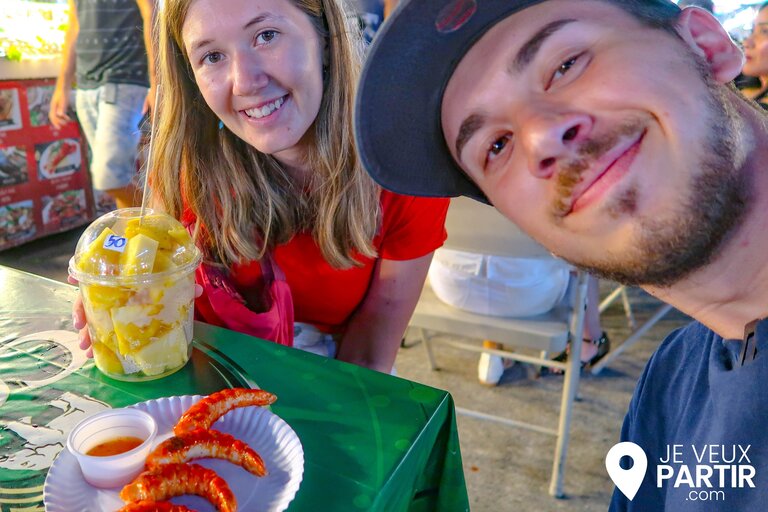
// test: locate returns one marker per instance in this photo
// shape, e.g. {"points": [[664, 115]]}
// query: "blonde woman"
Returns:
{"points": [[254, 145]]}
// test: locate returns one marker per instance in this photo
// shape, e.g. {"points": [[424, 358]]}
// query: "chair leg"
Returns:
{"points": [[627, 308], [428, 349], [632, 339], [570, 389]]}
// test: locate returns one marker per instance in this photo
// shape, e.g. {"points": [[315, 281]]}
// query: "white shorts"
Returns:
{"points": [[498, 286]]}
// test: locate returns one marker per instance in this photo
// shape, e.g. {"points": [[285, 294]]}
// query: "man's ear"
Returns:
{"points": [[707, 37]]}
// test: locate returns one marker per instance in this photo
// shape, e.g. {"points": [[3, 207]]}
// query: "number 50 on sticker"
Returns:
{"points": [[115, 243]]}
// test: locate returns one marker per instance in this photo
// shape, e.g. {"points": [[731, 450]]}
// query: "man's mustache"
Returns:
{"points": [[569, 172]]}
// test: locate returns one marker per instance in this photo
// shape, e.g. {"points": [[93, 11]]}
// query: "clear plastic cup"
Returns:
{"points": [[137, 281]]}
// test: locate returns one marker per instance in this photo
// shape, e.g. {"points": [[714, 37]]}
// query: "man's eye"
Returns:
{"points": [[212, 57], [565, 67], [266, 36], [497, 147]]}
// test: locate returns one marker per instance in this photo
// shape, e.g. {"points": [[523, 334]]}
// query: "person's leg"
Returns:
{"points": [[592, 328], [595, 342], [116, 143], [127, 196]]}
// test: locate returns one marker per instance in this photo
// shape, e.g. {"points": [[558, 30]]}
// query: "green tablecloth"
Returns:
{"points": [[371, 441]]}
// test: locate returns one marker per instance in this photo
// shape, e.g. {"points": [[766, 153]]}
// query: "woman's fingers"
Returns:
{"points": [[80, 323], [78, 313], [84, 337]]}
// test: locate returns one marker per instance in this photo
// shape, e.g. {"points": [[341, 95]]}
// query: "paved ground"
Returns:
{"points": [[507, 468]]}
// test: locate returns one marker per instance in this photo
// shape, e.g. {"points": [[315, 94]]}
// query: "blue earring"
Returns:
{"points": [[221, 125]]}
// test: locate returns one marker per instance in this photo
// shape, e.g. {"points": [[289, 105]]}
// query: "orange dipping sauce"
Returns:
{"points": [[114, 446]]}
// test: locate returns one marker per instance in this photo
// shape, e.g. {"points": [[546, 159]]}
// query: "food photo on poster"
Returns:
{"points": [[13, 166], [10, 113], [67, 209], [39, 102], [58, 158], [17, 222]]}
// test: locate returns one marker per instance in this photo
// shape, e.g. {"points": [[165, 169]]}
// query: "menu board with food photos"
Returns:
{"points": [[44, 184]]}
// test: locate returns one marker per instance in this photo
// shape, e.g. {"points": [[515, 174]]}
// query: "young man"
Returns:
{"points": [[609, 131], [108, 50]]}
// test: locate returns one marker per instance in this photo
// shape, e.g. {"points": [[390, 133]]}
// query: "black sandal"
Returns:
{"points": [[603, 347]]}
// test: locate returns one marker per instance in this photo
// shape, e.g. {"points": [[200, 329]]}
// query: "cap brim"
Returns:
{"points": [[397, 111]]}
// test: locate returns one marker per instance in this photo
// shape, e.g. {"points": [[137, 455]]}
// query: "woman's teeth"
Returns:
{"points": [[267, 109]]}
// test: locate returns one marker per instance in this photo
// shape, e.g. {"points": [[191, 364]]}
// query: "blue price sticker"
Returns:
{"points": [[115, 243]]}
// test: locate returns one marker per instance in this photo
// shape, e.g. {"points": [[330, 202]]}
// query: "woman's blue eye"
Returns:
{"points": [[212, 57], [266, 36]]}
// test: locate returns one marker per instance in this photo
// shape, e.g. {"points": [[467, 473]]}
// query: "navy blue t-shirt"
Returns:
{"points": [[701, 418]]}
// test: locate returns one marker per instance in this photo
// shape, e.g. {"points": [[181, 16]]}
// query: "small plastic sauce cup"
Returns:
{"points": [[113, 470]]}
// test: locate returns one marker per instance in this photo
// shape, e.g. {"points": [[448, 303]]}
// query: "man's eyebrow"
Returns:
{"points": [[467, 129], [528, 51]]}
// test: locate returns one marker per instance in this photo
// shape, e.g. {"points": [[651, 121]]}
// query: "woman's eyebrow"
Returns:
{"points": [[266, 16], [253, 21], [530, 48]]}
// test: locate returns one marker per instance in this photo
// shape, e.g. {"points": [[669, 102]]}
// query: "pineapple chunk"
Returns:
{"points": [[106, 359], [153, 226], [97, 260], [167, 352], [163, 261], [104, 297], [139, 255], [135, 326]]}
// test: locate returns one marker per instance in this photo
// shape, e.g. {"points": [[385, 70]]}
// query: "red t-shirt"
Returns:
{"points": [[325, 296]]}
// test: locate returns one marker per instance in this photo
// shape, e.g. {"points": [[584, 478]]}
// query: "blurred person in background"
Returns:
{"points": [[514, 288], [756, 58], [108, 57], [370, 14]]}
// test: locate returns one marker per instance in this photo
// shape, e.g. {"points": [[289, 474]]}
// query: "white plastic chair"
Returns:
{"points": [[479, 228]]}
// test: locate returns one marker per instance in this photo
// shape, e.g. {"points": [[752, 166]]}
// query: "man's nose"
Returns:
{"points": [[248, 74], [550, 137]]}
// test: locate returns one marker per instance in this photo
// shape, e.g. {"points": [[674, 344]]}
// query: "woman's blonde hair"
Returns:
{"points": [[244, 200]]}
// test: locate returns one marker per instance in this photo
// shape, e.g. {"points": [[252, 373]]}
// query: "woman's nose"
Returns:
{"points": [[549, 138], [248, 75]]}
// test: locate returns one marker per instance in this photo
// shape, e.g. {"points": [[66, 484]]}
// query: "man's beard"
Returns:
{"points": [[668, 249]]}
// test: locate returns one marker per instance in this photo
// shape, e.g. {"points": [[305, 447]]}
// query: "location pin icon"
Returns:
{"points": [[627, 480]]}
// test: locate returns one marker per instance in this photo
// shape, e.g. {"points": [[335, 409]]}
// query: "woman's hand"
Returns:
{"points": [[80, 322]]}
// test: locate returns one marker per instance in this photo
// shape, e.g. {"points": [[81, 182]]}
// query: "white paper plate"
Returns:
{"points": [[65, 489]]}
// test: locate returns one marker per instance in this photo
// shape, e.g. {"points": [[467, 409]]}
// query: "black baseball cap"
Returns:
{"points": [[397, 109]]}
